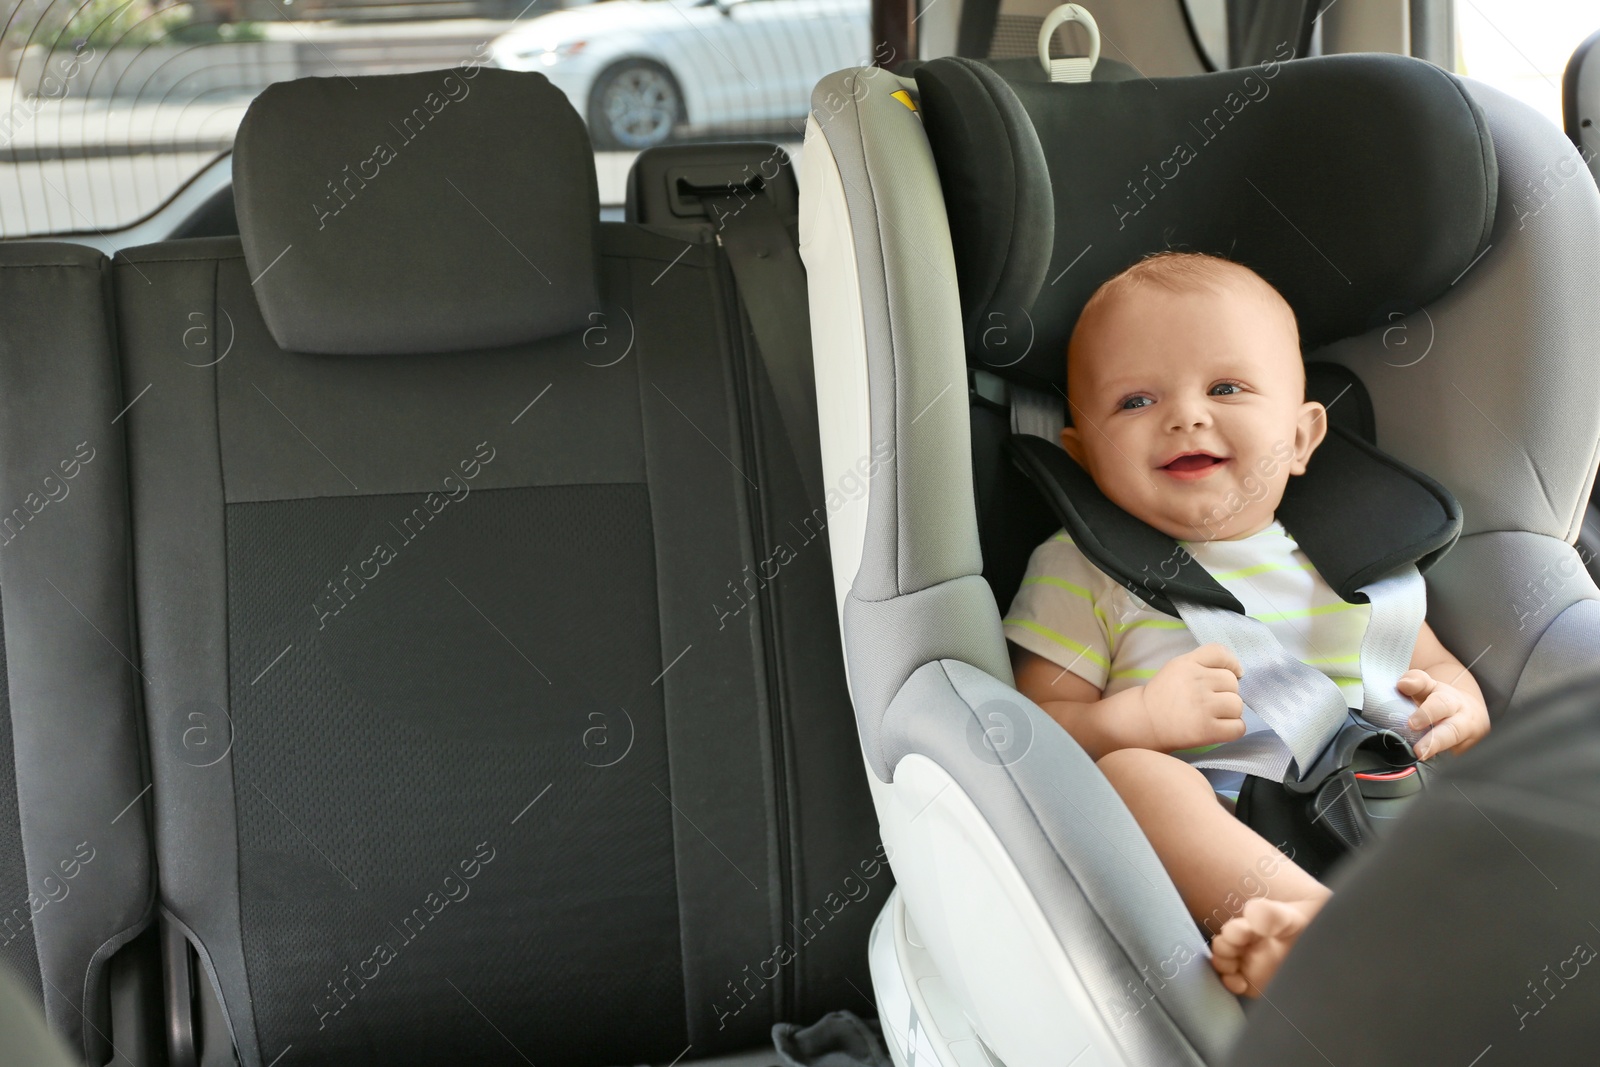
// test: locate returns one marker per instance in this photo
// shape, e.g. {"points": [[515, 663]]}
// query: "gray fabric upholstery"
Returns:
{"points": [[174, 467], [889, 640], [1492, 598], [923, 526], [408, 193], [1100, 885], [69, 647], [1504, 364], [1564, 655], [1504, 361]]}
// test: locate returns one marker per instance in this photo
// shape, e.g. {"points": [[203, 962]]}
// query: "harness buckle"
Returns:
{"points": [[1361, 779]]}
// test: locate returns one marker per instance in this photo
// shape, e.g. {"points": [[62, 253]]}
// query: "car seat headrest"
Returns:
{"points": [[1355, 184], [442, 211]]}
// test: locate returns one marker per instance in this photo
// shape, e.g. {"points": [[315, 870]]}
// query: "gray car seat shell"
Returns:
{"points": [[1022, 880]]}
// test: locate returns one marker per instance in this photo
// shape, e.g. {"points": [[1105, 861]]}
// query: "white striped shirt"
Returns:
{"points": [[1072, 613]]}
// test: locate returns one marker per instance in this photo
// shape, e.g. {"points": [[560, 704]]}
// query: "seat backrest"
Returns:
{"points": [[453, 519], [76, 876]]}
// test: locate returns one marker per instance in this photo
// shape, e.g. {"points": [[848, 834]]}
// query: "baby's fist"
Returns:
{"points": [[1451, 718], [1194, 699]]}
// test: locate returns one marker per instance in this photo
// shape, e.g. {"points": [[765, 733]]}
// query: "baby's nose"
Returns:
{"points": [[1188, 416]]}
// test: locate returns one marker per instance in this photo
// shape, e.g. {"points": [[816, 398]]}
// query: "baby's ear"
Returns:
{"points": [[1073, 443], [1311, 426]]}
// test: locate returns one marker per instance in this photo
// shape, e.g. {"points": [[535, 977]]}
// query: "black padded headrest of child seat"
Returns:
{"points": [[1356, 512], [1355, 184], [443, 211]]}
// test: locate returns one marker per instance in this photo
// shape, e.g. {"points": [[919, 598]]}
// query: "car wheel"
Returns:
{"points": [[634, 105]]}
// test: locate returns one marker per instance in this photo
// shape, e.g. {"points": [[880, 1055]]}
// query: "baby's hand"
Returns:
{"points": [[1452, 718], [1194, 700]]}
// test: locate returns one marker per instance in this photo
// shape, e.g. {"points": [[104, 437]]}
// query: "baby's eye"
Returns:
{"points": [[1232, 387], [1133, 403]]}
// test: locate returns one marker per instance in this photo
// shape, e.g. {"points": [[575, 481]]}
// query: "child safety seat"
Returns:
{"points": [[1326, 777], [953, 224]]}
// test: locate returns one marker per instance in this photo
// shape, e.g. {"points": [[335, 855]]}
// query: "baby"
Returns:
{"points": [[1187, 394]]}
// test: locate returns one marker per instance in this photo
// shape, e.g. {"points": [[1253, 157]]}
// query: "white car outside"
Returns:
{"points": [[636, 70]]}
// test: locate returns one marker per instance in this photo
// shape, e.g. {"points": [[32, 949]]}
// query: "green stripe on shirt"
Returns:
{"points": [[1196, 751], [1061, 639], [1301, 613], [1060, 583], [1261, 568], [1152, 624]]}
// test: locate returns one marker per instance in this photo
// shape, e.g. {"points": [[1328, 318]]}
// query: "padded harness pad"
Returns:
{"points": [[1357, 513], [401, 220], [1053, 188]]}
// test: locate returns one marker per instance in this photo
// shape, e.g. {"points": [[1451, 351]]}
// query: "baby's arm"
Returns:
{"points": [[1193, 700], [1448, 698]]}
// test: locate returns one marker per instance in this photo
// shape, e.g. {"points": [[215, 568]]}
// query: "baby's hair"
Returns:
{"points": [[1181, 272], [1184, 272]]}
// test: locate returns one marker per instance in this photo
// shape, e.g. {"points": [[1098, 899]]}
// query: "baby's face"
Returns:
{"points": [[1189, 409]]}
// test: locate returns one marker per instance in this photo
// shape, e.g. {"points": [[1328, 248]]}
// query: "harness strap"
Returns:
{"points": [[1399, 602], [1304, 707]]}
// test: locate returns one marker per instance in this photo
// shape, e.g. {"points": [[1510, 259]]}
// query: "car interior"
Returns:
{"points": [[347, 352]]}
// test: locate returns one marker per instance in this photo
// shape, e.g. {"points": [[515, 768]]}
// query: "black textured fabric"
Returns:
{"points": [[996, 228], [1260, 165], [834, 880], [18, 953], [388, 731], [395, 726], [1359, 513], [408, 194], [1013, 517], [1349, 405], [1148, 563], [1490, 880], [64, 543]]}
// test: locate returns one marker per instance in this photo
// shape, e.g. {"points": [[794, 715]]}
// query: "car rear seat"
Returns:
{"points": [[457, 519], [76, 879]]}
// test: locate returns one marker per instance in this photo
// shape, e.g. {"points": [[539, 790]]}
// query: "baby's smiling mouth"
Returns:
{"points": [[1192, 465]]}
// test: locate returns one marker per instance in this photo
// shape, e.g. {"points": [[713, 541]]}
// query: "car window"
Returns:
{"points": [[1522, 46], [110, 109]]}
